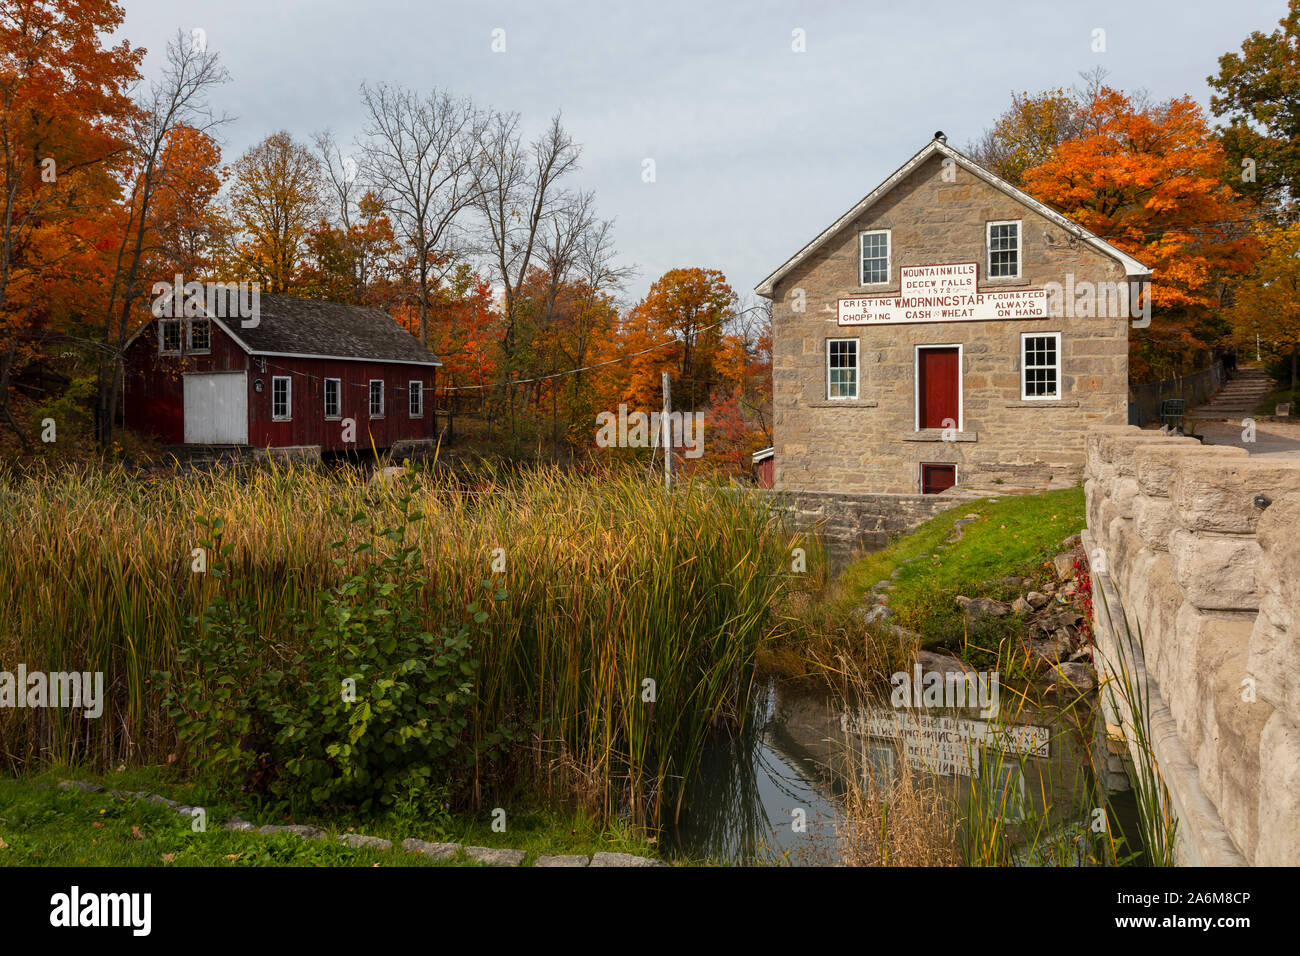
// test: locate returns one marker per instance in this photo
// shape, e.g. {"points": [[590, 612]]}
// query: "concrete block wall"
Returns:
{"points": [[1200, 545]]}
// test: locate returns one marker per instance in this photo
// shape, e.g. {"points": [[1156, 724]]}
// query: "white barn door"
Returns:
{"points": [[216, 408]]}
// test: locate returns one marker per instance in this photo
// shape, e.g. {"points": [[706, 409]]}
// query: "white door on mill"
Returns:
{"points": [[216, 408]]}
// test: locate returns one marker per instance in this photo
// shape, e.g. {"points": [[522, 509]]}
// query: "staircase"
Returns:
{"points": [[1238, 399]]}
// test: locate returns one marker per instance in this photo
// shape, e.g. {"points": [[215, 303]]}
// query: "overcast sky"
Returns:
{"points": [[757, 148]]}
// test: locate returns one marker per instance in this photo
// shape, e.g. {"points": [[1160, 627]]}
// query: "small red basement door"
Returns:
{"points": [[936, 478]]}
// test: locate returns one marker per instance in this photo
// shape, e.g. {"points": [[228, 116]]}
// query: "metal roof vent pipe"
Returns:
{"points": [[939, 135]]}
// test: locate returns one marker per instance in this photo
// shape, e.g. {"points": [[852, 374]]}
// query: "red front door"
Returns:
{"points": [[938, 388]]}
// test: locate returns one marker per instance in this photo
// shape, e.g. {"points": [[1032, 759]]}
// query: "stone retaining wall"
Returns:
{"points": [[864, 521], [1196, 549]]}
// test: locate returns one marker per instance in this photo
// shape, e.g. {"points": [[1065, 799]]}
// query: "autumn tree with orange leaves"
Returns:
{"points": [[65, 117], [1150, 180]]}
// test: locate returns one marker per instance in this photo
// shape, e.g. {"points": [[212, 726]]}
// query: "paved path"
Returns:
{"points": [[1272, 439]]}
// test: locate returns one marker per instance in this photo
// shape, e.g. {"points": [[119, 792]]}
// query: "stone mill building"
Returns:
{"points": [[949, 329]]}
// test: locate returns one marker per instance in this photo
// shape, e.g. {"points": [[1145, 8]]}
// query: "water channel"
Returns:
{"points": [[774, 795]]}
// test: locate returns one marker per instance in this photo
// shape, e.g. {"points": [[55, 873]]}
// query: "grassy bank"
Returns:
{"points": [[41, 825], [601, 585], [1009, 538]]}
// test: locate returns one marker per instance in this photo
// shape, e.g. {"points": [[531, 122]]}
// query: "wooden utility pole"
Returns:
{"points": [[667, 427]]}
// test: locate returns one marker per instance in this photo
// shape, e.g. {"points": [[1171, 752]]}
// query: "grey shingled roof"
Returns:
{"points": [[293, 326]]}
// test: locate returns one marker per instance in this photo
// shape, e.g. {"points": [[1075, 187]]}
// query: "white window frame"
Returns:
{"points": [[857, 371], [1024, 368], [189, 337], [325, 405], [889, 256], [415, 388], [288, 398], [370, 397], [961, 384], [988, 248], [162, 336], [920, 473]]}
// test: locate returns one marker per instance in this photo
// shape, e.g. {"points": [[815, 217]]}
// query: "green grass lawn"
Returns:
{"points": [[1014, 536], [41, 825], [1283, 393]]}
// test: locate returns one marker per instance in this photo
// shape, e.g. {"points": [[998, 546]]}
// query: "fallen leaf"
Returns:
{"points": [[233, 856], [168, 857], [135, 832], [97, 825], [3, 844]]}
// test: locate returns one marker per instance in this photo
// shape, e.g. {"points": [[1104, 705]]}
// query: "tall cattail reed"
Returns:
{"points": [[633, 618]]}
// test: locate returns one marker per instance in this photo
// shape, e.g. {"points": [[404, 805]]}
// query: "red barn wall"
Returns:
{"points": [[308, 425], [153, 386], [153, 395]]}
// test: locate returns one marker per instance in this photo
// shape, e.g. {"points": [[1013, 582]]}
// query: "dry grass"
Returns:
{"points": [[611, 581]]}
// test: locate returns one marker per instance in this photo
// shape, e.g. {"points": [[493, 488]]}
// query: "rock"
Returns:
{"points": [[570, 860], [977, 608], [943, 663], [81, 785], [297, 829], [494, 856], [903, 634], [1064, 564], [439, 851], [1011, 582], [1021, 606], [1049, 650], [1079, 676], [161, 801], [238, 824], [1037, 598], [1071, 542], [387, 475], [624, 859], [875, 615], [361, 842]]}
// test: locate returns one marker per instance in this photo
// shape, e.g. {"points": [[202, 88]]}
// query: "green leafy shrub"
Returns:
{"points": [[360, 706]]}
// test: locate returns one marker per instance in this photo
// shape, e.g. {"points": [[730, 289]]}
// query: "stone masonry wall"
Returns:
{"points": [[870, 445], [867, 522], [1209, 573]]}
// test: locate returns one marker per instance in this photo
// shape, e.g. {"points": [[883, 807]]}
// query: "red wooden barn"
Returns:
{"points": [[308, 373]]}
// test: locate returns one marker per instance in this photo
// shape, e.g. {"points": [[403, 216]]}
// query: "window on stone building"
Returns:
{"points": [[1004, 250], [841, 368], [875, 257], [1040, 363]]}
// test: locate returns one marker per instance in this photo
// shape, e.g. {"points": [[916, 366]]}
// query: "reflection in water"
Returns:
{"points": [[745, 794], [1033, 781]]}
